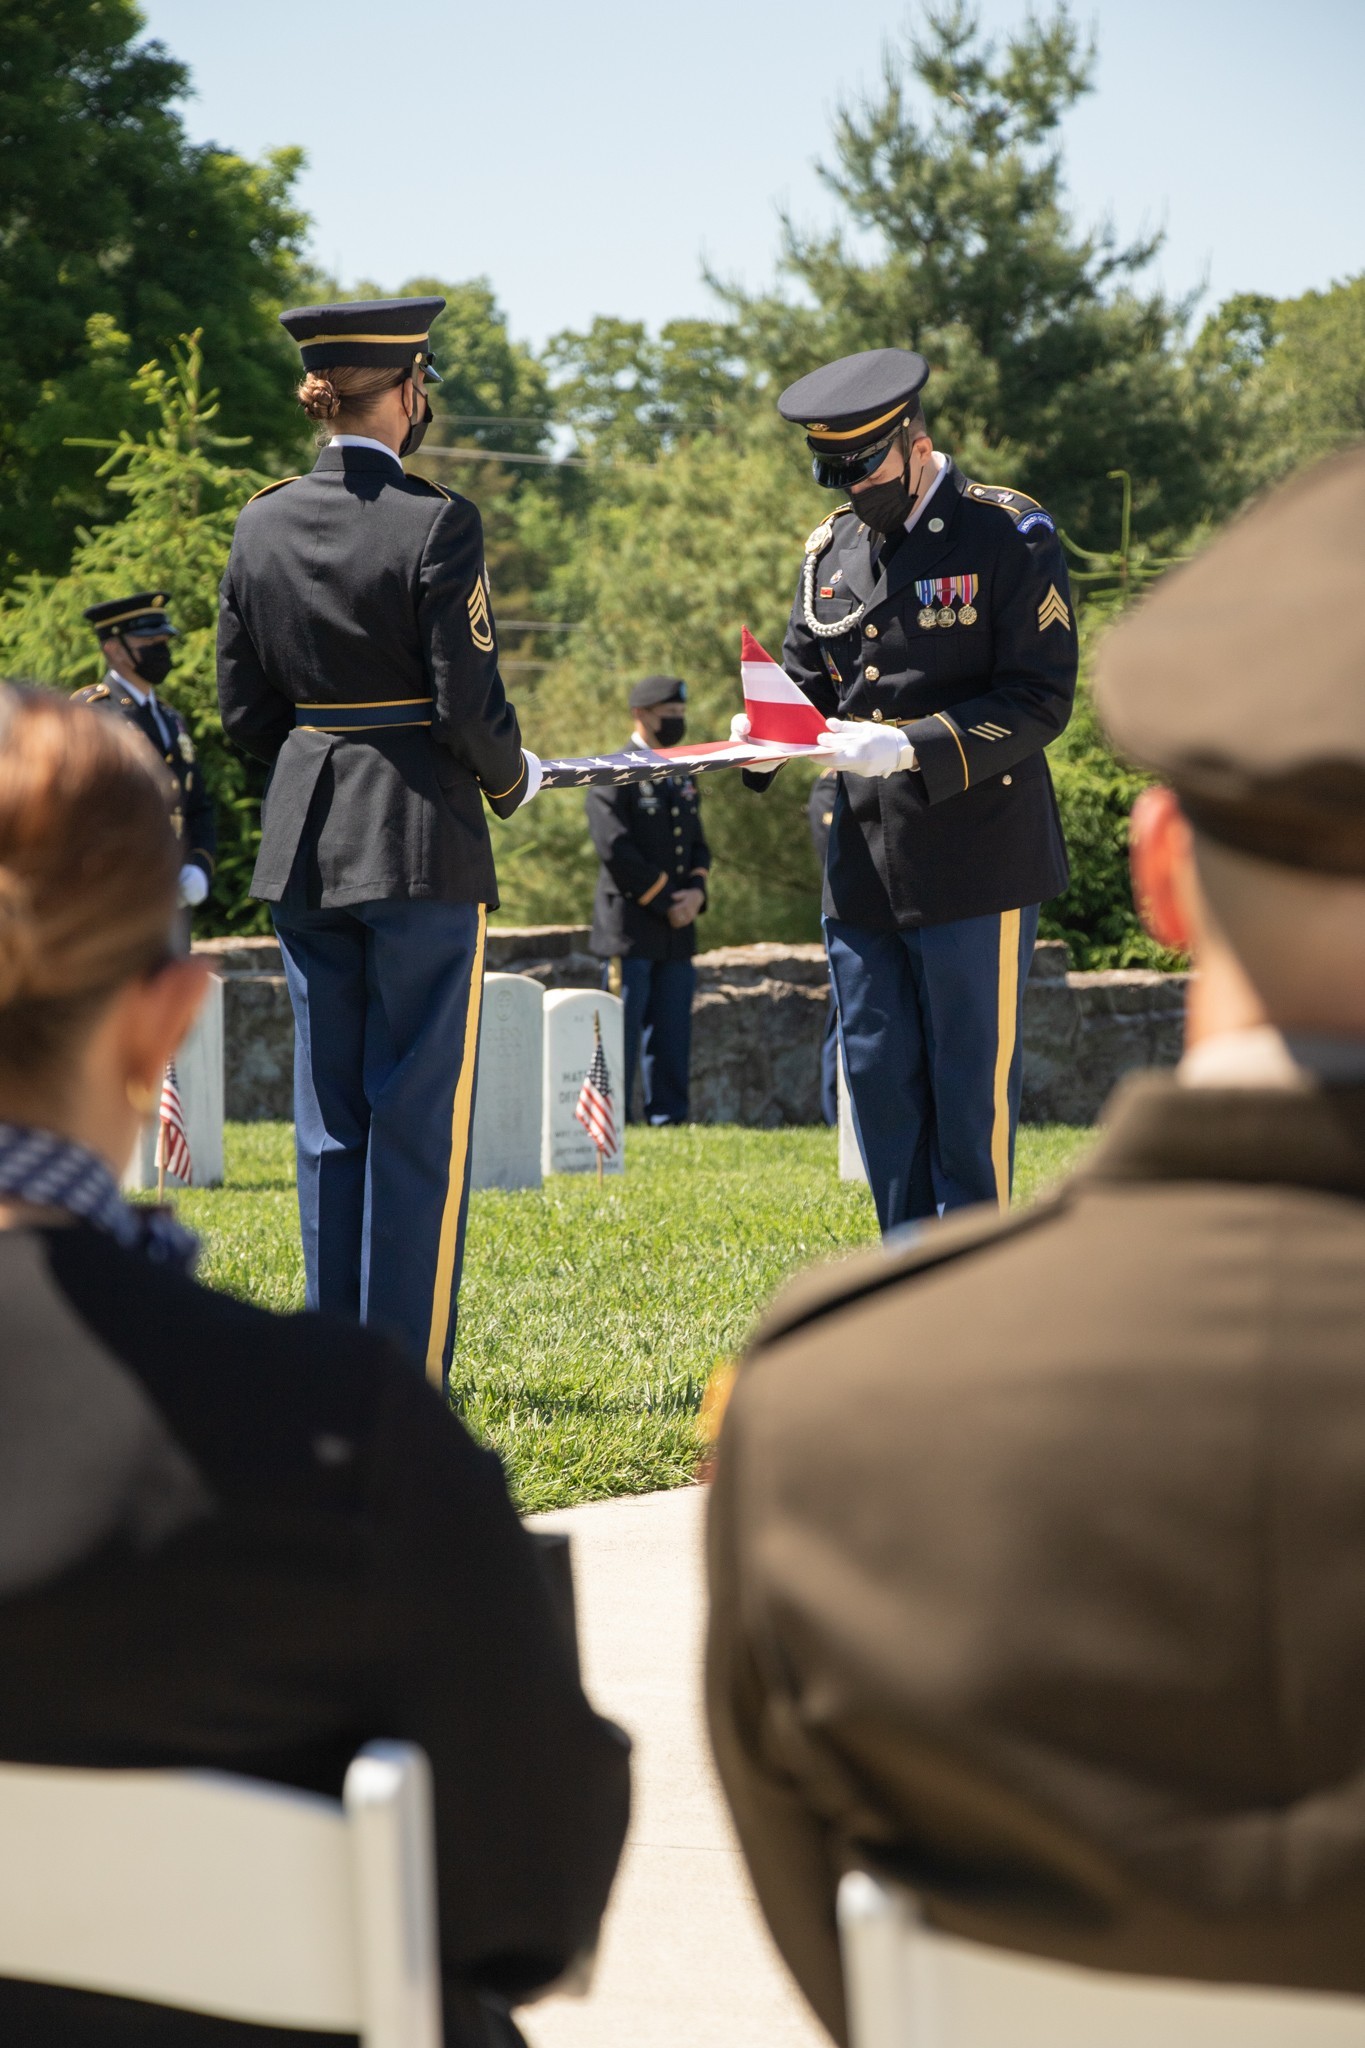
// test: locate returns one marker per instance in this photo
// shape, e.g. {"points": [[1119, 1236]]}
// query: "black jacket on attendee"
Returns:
{"points": [[253, 1543], [359, 585], [649, 839]]}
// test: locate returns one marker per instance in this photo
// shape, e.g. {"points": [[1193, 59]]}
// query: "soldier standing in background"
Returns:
{"points": [[135, 635], [651, 889]]}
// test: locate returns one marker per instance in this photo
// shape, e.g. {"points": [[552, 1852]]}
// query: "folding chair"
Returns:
{"points": [[228, 1896], [908, 1985]]}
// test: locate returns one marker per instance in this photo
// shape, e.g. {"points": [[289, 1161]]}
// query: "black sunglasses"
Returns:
{"points": [[838, 472]]}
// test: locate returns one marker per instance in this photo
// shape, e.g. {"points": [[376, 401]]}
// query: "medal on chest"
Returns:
{"points": [[939, 594]]}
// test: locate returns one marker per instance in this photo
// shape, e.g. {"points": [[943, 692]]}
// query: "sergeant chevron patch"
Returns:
{"points": [[480, 625], [1053, 610]]}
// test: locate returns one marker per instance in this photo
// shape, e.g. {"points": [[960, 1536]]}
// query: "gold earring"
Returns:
{"points": [[142, 1098]]}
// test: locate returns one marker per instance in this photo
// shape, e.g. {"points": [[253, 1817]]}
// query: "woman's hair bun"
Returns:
{"points": [[18, 937], [319, 397]]}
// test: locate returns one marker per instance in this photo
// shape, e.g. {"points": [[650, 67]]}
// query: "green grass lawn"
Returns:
{"points": [[590, 1323]]}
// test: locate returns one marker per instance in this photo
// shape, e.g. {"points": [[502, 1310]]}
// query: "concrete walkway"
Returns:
{"points": [[685, 1960]]}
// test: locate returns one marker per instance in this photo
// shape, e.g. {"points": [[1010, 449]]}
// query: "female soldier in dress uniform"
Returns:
{"points": [[357, 655]]}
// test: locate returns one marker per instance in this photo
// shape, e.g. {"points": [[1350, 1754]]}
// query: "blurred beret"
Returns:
{"points": [[855, 401], [1241, 679], [657, 690]]}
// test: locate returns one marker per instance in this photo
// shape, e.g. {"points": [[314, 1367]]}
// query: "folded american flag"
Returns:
{"points": [[174, 1138], [594, 1109]]}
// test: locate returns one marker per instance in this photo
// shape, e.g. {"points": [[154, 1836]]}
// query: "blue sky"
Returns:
{"points": [[587, 159]]}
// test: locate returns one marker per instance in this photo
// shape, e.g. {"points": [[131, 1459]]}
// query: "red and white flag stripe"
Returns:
{"points": [[776, 709], [175, 1139]]}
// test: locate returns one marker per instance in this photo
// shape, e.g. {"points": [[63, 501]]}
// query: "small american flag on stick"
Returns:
{"points": [[594, 1109], [173, 1142]]}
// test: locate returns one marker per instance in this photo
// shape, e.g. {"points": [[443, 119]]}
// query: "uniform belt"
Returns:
{"points": [[365, 717]]}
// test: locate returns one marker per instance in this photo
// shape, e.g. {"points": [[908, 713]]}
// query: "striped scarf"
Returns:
{"points": [[53, 1172]]}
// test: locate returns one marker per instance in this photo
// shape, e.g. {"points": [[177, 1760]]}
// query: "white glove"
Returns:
{"points": [[740, 727], [194, 885], [864, 748], [534, 775]]}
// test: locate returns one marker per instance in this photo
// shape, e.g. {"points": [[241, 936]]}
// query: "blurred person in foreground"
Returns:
{"points": [[651, 889], [1037, 1548], [228, 1539]]}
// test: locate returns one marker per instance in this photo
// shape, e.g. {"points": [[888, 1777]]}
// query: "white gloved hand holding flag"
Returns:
{"points": [[862, 748]]}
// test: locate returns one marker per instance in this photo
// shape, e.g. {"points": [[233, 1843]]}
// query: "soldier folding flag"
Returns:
{"points": [[173, 1141], [594, 1109], [784, 723]]}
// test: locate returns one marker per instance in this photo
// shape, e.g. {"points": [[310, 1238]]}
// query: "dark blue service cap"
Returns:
{"points": [[145, 612], [381, 333], [657, 690], [858, 400]]}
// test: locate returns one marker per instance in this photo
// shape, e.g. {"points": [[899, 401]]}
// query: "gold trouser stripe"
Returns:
{"points": [[867, 427], [966, 776], [1007, 1025], [461, 1118]]}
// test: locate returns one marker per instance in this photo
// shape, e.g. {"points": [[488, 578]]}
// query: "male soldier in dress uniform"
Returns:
{"points": [[1037, 1547], [357, 654], [135, 637], [932, 625], [651, 889]]}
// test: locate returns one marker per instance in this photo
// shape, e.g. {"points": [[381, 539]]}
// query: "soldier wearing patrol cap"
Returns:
{"points": [[135, 635], [1037, 1547], [932, 626], [651, 889], [357, 655]]}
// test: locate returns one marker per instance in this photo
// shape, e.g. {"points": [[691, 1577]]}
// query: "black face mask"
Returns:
{"points": [[413, 438], [152, 663], [885, 507], [669, 732]]}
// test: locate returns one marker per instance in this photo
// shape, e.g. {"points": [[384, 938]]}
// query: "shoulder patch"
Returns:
{"points": [[427, 484], [819, 539], [1016, 503], [266, 489], [814, 1296]]}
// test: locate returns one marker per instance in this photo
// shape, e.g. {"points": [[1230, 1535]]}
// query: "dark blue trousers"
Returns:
{"points": [[657, 998], [386, 1013], [930, 1026]]}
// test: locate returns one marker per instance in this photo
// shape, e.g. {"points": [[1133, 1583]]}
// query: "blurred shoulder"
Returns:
{"points": [[958, 1244]]}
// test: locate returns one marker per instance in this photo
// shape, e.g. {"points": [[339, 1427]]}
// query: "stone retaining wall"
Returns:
{"points": [[757, 1026]]}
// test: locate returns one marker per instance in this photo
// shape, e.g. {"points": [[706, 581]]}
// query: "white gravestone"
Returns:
{"points": [[567, 1148], [199, 1077], [507, 1098], [850, 1158]]}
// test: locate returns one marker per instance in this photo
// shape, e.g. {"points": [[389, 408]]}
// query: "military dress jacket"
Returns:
{"points": [[1037, 1562], [246, 1542], [167, 732], [362, 590], [961, 633], [650, 841]]}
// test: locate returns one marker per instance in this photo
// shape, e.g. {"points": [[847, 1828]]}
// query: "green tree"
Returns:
{"points": [[108, 212], [1051, 365], [182, 494]]}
